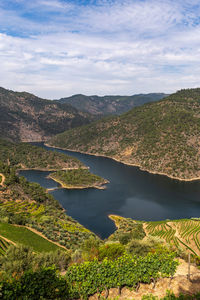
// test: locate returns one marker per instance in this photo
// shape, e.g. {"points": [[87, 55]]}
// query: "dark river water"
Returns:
{"points": [[131, 193]]}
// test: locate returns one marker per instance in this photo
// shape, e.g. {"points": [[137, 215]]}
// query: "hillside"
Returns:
{"points": [[30, 205], [26, 156], [110, 104], [181, 235], [22, 235], [161, 137], [25, 117]]}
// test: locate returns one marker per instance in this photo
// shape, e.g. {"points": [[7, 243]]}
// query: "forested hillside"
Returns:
{"points": [[25, 117], [26, 156], [107, 105], [161, 137]]}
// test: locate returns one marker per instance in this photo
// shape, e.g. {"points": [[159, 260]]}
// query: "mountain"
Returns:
{"points": [[110, 104], [25, 117], [161, 137]]}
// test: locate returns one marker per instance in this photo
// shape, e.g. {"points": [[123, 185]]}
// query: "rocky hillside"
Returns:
{"points": [[25, 117], [161, 137], [110, 104]]}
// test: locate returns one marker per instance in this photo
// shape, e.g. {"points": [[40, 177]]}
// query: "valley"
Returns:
{"points": [[125, 195], [99, 150], [97, 216], [160, 137]]}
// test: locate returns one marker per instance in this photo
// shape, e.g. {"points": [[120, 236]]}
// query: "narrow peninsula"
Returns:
{"points": [[78, 179]]}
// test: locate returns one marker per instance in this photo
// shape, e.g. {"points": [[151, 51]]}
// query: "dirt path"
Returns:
{"points": [[3, 179], [7, 240]]}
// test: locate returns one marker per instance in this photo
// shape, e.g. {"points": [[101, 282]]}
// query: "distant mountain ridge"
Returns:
{"points": [[161, 137], [26, 117], [106, 105]]}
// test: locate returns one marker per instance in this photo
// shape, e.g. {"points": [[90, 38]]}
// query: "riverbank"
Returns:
{"points": [[129, 164], [50, 170]]}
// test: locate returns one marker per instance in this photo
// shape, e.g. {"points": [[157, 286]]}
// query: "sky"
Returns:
{"points": [[56, 48]]}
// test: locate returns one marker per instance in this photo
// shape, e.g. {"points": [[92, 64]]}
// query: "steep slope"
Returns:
{"points": [[161, 137], [25, 117], [28, 204], [26, 156], [110, 104]]}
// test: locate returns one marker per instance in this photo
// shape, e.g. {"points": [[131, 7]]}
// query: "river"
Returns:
{"points": [[131, 193]]}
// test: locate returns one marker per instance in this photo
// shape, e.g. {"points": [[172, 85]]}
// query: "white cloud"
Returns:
{"points": [[114, 48]]}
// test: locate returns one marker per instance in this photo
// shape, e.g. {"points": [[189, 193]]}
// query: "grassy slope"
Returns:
{"points": [[26, 237], [160, 137]]}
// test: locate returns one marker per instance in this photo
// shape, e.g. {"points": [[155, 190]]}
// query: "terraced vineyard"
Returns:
{"points": [[179, 233], [184, 233], [24, 207], [53, 224], [3, 246]]}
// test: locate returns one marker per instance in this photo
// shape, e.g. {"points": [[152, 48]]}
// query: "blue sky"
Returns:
{"points": [[56, 48]]}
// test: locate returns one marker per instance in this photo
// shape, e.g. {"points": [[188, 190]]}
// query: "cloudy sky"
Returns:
{"points": [[56, 48]]}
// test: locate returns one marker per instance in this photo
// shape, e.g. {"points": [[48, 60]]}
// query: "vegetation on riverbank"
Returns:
{"points": [[79, 178], [182, 235], [26, 156], [29, 204], [160, 137]]}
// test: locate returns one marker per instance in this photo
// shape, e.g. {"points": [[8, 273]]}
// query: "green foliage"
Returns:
{"points": [[20, 258], [42, 284], [178, 233], [127, 229], [26, 237], [90, 277], [77, 177], [23, 155], [89, 249], [16, 260], [111, 251], [29, 204], [59, 258], [148, 244]]}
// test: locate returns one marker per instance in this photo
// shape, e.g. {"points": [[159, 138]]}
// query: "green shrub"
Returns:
{"points": [[43, 284], [111, 251]]}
